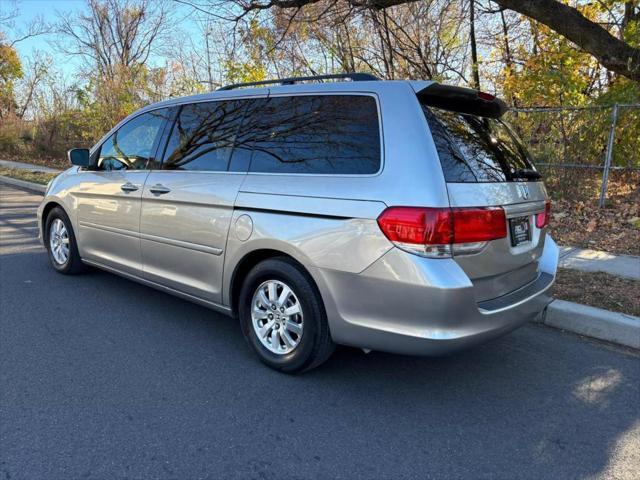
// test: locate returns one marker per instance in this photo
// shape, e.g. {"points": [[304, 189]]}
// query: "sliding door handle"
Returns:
{"points": [[158, 189], [128, 187]]}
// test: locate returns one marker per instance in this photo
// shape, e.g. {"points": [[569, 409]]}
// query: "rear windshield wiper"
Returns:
{"points": [[527, 173]]}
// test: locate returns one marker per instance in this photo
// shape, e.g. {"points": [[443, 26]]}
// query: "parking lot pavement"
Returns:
{"points": [[103, 378]]}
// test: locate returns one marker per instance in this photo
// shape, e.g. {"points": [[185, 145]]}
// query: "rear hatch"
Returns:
{"points": [[486, 165]]}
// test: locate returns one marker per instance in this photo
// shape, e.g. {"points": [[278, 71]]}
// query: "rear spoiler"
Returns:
{"points": [[462, 100]]}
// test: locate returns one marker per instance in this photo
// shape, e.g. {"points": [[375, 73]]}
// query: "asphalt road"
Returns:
{"points": [[103, 378]]}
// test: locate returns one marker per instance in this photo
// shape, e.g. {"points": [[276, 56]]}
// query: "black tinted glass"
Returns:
{"points": [[133, 145], [324, 134], [203, 136], [476, 149]]}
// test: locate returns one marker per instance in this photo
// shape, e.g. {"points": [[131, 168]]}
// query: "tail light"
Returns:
{"points": [[440, 232], [542, 219]]}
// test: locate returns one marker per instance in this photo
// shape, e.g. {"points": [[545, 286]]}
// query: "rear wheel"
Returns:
{"points": [[283, 318], [61, 243]]}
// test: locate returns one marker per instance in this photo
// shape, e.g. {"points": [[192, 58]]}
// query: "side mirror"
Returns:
{"points": [[80, 157]]}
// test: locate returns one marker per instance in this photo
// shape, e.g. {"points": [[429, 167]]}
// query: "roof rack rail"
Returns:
{"points": [[355, 77]]}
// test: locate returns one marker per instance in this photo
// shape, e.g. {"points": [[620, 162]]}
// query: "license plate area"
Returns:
{"points": [[520, 230]]}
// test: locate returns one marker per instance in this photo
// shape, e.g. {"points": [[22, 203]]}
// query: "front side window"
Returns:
{"points": [[203, 136], [133, 145], [322, 134], [475, 149]]}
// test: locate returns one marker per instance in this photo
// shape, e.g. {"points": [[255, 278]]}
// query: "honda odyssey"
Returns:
{"points": [[399, 216]]}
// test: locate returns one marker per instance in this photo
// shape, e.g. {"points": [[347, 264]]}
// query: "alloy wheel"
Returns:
{"points": [[277, 317], [59, 241]]}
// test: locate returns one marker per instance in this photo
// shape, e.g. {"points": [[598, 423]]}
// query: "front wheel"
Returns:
{"points": [[61, 243], [283, 318]]}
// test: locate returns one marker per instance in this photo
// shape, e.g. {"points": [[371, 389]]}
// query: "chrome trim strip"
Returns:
{"points": [[182, 244], [153, 238], [521, 209], [120, 231]]}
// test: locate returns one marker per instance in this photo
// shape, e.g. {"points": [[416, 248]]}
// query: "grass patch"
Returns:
{"points": [[598, 289], [41, 178]]}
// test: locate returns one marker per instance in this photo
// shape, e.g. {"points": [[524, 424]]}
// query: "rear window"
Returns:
{"points": [[476, 149], [312, 134]]}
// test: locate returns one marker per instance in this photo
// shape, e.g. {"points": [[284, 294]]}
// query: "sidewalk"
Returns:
{"points": [[625, 266], [27, 166]]}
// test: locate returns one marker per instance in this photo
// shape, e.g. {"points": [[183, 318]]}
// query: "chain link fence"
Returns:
{"points": [[574, 146]]}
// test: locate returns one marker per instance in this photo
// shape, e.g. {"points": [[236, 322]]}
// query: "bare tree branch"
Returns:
{"points": [[115, 34], [613, 53]]}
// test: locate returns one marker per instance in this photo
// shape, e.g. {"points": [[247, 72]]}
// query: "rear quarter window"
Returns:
{"points": [[475, 149], [311, 134]]}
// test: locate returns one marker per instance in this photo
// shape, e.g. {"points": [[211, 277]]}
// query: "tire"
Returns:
{"points": [[313, 346], [72, 264]]}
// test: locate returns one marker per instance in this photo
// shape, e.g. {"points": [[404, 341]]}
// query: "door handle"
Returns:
{"points": [[158, 189], [128, 187]]}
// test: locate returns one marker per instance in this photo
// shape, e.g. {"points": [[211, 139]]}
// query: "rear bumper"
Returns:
{"points": [[411, 305]]}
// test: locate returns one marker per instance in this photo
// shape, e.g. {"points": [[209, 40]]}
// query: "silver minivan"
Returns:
{"points": [[400, 216]]}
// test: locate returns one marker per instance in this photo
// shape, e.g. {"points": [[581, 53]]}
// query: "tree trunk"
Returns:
{"points": [[612, 53], [474, 48]]}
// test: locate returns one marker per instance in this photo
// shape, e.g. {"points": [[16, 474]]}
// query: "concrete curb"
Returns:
{"points": [[593, 322], [33, 187]]}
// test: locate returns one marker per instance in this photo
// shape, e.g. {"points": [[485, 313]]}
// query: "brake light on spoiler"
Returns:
{"points": [[463, 100], [486, 96], [442, 232]]}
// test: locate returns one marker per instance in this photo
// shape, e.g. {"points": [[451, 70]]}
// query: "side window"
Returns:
{"points": [[203, 136], [133, 145], [321, 134]]}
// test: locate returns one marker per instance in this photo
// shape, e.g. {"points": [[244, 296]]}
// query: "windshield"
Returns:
{"points": [[476, 149]]}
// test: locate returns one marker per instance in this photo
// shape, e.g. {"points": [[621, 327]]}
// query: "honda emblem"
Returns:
{"points": [[523, 190]]}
